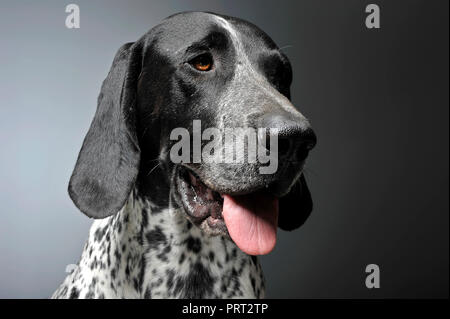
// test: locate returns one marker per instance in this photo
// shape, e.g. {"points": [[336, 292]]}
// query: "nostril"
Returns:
{"points": [[284, 145], [295, 138], [308, 141], [302, 152]]}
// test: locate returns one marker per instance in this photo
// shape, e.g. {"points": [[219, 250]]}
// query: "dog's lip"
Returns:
{"points": [[216, 188]]}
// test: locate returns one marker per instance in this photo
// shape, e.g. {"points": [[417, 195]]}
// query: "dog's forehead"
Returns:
{"points": [[178, 32]]}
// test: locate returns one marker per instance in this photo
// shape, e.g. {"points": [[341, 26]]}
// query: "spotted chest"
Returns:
{"points": [[148, 252]]}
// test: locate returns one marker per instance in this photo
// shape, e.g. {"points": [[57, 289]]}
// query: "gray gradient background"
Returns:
{"points": [[378, 100]]}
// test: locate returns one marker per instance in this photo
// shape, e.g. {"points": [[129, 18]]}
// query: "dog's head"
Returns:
{"points": [[175, 105]]}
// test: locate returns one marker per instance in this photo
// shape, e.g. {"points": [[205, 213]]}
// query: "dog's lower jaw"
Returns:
{"points": [[152, 252]]}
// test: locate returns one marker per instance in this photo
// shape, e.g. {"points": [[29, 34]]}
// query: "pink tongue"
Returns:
{"points": [[252, 221]]}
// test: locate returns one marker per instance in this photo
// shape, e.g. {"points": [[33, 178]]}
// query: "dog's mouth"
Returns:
{"points": [[250, 220]]}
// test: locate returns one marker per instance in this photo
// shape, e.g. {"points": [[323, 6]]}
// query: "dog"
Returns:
{"points": [[189, 229]]}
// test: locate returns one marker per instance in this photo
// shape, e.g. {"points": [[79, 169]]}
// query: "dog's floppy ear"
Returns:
{"points": [[296, 206], [108, 162]]}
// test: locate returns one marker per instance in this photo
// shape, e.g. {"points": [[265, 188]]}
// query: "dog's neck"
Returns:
{"points": [[155, 252]]}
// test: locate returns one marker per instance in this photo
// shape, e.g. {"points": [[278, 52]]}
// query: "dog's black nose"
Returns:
{"points": [[295, 136]]}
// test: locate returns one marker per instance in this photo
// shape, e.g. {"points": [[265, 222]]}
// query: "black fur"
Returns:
{"points": [[124, 171]]}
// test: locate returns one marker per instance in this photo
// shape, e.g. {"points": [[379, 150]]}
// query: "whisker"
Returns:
{"points": [[286, 47], [156, 166], [309, 171]]}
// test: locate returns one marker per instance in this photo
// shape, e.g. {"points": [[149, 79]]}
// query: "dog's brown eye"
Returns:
{"points": [[202, 62]]}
